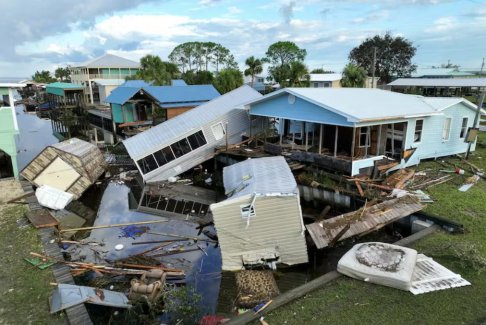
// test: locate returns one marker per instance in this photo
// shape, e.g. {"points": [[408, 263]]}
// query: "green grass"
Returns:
{"points": [[348, 301], [24, 289]]}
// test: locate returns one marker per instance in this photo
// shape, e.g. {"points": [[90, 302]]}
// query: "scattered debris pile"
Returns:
{"points": [[397, 267]]}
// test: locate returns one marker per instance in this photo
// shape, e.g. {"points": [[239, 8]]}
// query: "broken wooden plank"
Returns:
{"points": [[360, 190], [362, 222], [41, 218], [20, 197], [114, 225]]}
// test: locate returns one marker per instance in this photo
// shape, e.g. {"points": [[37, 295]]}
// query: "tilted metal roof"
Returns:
{"points": [[360, 105], [109, 82], [164, 133], [260, 176], [109, 61], [439, 82]]}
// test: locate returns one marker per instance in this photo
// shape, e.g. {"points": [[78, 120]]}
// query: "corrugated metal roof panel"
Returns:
{"points": [[266, 176], [440, 82], [184, 104], [109, 82], [120, 95], [174, 94], [109, 61], [135, 83], [75, 146], [429, 276], [65, 85], [178, 82], [360, 104], [164, 133]]}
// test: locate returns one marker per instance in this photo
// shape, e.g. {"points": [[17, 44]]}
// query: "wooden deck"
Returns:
{"points": [[62, 273], [360, 223]]}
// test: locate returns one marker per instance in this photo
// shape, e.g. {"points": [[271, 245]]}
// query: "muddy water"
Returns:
{"points": [[203, 272], [35, 135]]}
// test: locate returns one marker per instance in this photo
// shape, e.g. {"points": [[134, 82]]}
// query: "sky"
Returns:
{"points": [[45, 34]]}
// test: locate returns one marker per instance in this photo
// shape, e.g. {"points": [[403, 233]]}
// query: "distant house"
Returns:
{"points": [[258, 83], [64, 94], [136, 108], [352, 129], [325, 80], [70, 166], [261, 220], [440, 73], [108, 66], [8, 129], [105, 87], [439, 86], [191, 138]]}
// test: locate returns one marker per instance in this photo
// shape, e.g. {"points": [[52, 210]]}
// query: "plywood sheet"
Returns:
{"points": [[58, 174]]}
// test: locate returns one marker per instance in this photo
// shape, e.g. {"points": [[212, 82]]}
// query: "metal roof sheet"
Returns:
{"points": [[164, 133], [261, 176], [65, 86], [136, 83], [121, 94], [75, 146], [325, 76], [11, 85], [183, 104], [175, 94], [109, 82], [178, 82], [360, 104], [440, 82], [109, 61], [440, 72]]}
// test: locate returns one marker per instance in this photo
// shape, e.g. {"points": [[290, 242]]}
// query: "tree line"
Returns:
{"points": [[212, 63]]}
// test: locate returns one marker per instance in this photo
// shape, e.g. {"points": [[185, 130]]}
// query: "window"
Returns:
{"points": [[164, 156], [197, 140], [464, 127], [446, 131], [315, 84], [364, 137], [218, 131], [419, 125], [147, 164], [5, 100], [247, 211], [327, 85], [181, 147]]}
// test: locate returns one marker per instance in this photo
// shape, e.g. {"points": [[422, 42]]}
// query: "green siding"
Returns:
{"points": [[117, 113], [55, 91], [128, 112], [3, 91], [8, 132]]}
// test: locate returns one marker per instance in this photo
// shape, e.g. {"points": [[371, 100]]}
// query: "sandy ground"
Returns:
{"points": [[9, 189]]}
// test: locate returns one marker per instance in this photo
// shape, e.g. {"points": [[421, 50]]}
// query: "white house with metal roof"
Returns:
{"points": [[325, 80], [91, 73], [353, 129], [439, 86], [189, 139], [261, 220]]}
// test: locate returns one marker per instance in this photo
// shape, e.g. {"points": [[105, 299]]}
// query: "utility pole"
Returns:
{"points": [[476, 120], [482, 67], [373, 68]]}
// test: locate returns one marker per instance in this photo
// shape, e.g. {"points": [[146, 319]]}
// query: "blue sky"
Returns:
{"points": [[44, 34]]}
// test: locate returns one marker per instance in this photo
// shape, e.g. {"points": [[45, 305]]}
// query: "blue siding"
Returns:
{"points": [[301, 110], [432, 145]]}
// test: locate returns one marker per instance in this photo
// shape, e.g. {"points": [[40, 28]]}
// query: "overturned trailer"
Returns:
{"points": [[70, 166], [191, 138], [261, 221]]}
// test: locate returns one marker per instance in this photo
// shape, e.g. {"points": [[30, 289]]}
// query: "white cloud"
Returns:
{"points": [[234, 10], [443, 24]]}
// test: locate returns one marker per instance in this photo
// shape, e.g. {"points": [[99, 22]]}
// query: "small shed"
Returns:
{"points": [[261, 220], [70, 166]]}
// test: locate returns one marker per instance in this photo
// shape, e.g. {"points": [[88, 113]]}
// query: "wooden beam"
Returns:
{"points": [[114, 225], [353, 143], [321, 133], [335, 141]]}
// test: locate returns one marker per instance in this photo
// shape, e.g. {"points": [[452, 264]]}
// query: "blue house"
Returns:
{"points": [[352, 129], [137, 105]]}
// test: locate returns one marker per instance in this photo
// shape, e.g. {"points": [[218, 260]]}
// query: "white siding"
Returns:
{"points": [[277, 226]]}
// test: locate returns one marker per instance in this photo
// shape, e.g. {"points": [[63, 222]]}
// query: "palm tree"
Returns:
{"points": [[298, 74], [353, 76], [255, 66]]}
